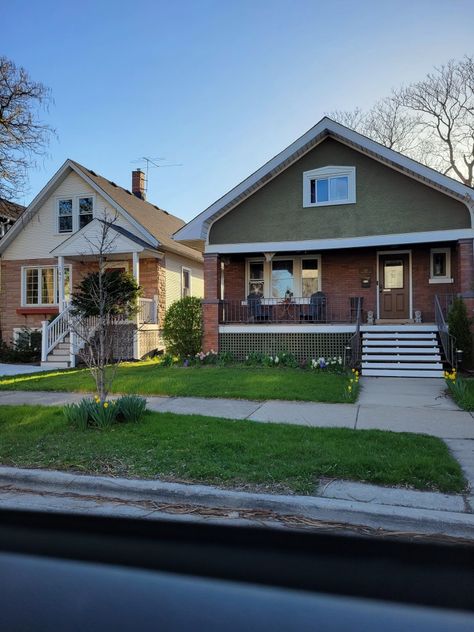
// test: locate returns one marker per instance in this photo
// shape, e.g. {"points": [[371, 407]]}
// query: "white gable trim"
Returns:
{"points": [[198, 228], [48, 190], [342, 242]]}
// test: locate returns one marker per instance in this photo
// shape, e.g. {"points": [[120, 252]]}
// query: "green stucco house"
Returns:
{"points": [[340, 247]]}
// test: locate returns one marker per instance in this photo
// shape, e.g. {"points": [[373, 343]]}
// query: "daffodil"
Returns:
{"points": [[106, 405]]}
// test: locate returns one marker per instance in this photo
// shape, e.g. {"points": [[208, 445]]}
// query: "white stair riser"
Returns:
{"points": [[404, 350], [403, 366], [399, 328], [401, 358], [55, 365], [401, 373], [399, 343], [398, 336]]}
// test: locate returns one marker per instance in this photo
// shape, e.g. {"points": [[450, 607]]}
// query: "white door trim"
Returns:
{"points": [[410, 283]]}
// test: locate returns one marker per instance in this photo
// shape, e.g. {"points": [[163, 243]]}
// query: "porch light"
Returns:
{"points": [[459, 354]]}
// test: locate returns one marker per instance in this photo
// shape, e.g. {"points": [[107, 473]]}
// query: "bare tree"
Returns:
{"points": [[23, 136], [431, 120], [103, 307]]}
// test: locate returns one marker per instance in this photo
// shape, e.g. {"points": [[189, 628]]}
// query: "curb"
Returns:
{"points": [[358, 513]]}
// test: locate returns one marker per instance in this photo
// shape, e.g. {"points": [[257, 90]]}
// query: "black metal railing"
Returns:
{"points": [[354, 347], [448, 342], [315, 309]]}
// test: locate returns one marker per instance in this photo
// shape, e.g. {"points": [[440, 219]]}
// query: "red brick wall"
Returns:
{"points": [[152, 280], [211, 302]]}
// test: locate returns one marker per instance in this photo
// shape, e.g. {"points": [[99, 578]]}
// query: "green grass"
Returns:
{"points": [[149, 378], [243, 454], [462, 391]]}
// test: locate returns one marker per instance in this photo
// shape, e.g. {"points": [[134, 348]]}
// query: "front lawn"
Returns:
{"points": [[269, 457], [151, 378]]}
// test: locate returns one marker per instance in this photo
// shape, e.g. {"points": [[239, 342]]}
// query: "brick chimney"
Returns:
{"points": [[138, 183]]}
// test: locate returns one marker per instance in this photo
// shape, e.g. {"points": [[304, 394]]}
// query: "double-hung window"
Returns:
{"points": [[185, 282], [440, 265], [74, 213], [329, 186], [256, 280], [40, 285]]}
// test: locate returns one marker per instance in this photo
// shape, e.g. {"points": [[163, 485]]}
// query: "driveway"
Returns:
{"points": [[20, 369]]}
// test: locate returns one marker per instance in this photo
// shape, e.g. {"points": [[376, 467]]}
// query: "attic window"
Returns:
{"points": [[329, 186]]}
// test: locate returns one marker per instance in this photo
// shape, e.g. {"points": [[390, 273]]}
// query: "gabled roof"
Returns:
{"points": [[10, 210], [198, 228], [84, 241], [154, 225]]}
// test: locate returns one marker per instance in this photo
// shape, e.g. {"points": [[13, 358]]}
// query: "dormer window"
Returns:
{"points": [[329, 186], [74, 213]]}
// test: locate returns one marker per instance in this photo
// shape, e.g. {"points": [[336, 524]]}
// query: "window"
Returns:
{"points": [[329, 185], [256, 283], [74, 213], [440, 265], [85, 211], [309, 277], [65, 216], [185, 282], [40, 285], [282, 278]]}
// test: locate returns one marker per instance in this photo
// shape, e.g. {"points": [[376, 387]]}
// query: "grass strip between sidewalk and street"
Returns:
{"points": [[240, 382], [241, 454]]}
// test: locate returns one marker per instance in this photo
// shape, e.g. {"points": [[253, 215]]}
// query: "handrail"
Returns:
{"points": [[54, 332], [448, 342], [355, 342]]}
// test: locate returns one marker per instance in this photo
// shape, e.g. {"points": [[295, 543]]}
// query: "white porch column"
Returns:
{"points": [[136, 276], [61, 283]]}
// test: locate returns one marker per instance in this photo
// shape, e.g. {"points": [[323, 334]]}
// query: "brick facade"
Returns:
{"points": [[152, 280], [341, 274]]}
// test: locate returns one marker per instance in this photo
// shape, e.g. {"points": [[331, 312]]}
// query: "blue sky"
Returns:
{"points": [[219, 86]]}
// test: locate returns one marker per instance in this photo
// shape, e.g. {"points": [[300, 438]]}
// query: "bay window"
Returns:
{"points": [[40, 285]]}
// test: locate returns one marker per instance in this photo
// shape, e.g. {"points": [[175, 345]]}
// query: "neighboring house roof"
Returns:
{"points": [[198, 229], [155, 225], [10, 210]]}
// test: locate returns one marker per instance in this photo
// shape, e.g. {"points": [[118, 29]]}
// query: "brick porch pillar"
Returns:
{"points": [[466, 273], [211, 304]]}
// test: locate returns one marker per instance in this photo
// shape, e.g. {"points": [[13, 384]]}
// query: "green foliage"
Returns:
{"points": [[130, 408], [26, 348], [182, 327], [90, 413], [167, 359], [119, 294], [460, 327], [461, 390]]}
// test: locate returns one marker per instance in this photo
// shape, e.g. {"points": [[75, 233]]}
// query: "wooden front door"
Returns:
{"points": [[394, 286]]}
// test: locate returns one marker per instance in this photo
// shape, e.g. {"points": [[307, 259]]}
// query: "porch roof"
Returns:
{"points": [[86, 242]]}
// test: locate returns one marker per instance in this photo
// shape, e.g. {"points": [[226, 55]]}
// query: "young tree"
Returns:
{"points": [[431, 120], [23, 136], [102, 308]]}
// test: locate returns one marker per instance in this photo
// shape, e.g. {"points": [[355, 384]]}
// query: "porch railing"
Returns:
{"points": [[54, 332], [318, 309], [448, 342], [354, 346], [148, 310]]}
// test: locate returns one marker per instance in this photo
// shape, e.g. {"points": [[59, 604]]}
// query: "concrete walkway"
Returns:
{"points": [[20, 369]]}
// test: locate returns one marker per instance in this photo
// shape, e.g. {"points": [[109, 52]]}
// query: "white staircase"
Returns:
{"points": [[401, 351]]}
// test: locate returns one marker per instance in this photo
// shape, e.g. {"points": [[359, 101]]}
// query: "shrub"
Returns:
{"points": [[130, 408], [182, 327], [77, 414], [255, 358], [26, 348], [460, 327], [119, 290], [167, 359]]}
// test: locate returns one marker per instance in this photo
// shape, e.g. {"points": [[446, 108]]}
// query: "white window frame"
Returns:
{"points": [[189, 271], [325, 173], [75, 211], [447, 278], [40, 293], [297, 274]]}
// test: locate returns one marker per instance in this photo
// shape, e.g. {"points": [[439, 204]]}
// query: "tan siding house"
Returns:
{"points": [[49, 250]]}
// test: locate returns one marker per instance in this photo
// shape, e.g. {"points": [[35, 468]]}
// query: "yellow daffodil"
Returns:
{"points": [[349, 388], [106, 405]]}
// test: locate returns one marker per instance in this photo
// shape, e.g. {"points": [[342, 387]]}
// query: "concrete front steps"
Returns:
{"points": [[401, 351], [59, 357]]}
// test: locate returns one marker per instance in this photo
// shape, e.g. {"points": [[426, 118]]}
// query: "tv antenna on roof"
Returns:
{"points": [[151, 163]]}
